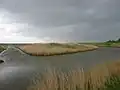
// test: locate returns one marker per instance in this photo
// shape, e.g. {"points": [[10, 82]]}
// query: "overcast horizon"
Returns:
{"points": [[59, 20]]}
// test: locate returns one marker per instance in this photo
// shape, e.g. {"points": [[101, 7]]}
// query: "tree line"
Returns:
{"points": [[114, 41]]}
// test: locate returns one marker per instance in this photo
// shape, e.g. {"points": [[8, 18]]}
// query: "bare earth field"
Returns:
{"points": [[55, 49]]}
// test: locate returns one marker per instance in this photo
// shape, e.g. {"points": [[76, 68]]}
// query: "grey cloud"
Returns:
{"points": [[67, 19], [51, 12]]}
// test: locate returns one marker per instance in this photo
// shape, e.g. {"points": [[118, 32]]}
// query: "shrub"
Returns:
{"points": [[113, 83]]}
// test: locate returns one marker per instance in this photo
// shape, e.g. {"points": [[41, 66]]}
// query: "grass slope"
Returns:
{"points": [[106, 44], [2, 48]]}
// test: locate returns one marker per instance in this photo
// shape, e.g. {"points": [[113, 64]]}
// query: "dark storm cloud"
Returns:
{"points": [[67, 19]]}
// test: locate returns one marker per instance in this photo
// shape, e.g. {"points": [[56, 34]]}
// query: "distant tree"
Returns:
{"points": [[118, 40], [113, 41], [110, 41]]}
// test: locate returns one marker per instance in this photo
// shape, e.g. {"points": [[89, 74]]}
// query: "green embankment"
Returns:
{"points": [[2, 48]]}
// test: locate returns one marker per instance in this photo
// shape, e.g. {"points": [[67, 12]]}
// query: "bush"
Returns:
{"points": [[113, 83], [118, 40]]}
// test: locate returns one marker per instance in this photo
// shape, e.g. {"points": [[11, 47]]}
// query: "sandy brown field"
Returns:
{"points": [[55, 49]]}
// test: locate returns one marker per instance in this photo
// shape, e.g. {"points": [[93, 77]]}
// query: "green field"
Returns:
{"points": [[105, 44]]}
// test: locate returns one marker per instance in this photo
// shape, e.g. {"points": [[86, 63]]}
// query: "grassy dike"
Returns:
{"points": [[51, 49], [107, 44], [2, 48], [100, 77]]}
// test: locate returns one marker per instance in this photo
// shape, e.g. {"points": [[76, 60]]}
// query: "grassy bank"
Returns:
{"points": [[105, 44], [2, 48], [55, 49], [109, 43], [102, 77]]}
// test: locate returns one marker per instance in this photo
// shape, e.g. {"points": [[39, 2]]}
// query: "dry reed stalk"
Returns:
{"points": [[53, 79], [77, 79]]}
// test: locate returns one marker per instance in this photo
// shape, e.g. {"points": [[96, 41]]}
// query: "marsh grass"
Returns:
{"points": [[55, 49], [112, 83], [101, 77], [53, 79]]}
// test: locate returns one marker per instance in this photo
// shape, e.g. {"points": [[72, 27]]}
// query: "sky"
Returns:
{"points": [[59, 20]]}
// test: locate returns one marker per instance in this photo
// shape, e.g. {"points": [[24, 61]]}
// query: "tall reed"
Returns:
{"points": [[97, 78]]}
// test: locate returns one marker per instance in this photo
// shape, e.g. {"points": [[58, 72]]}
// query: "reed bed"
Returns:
{"points": [[55, 49], [53, 79], [101, 77]]}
